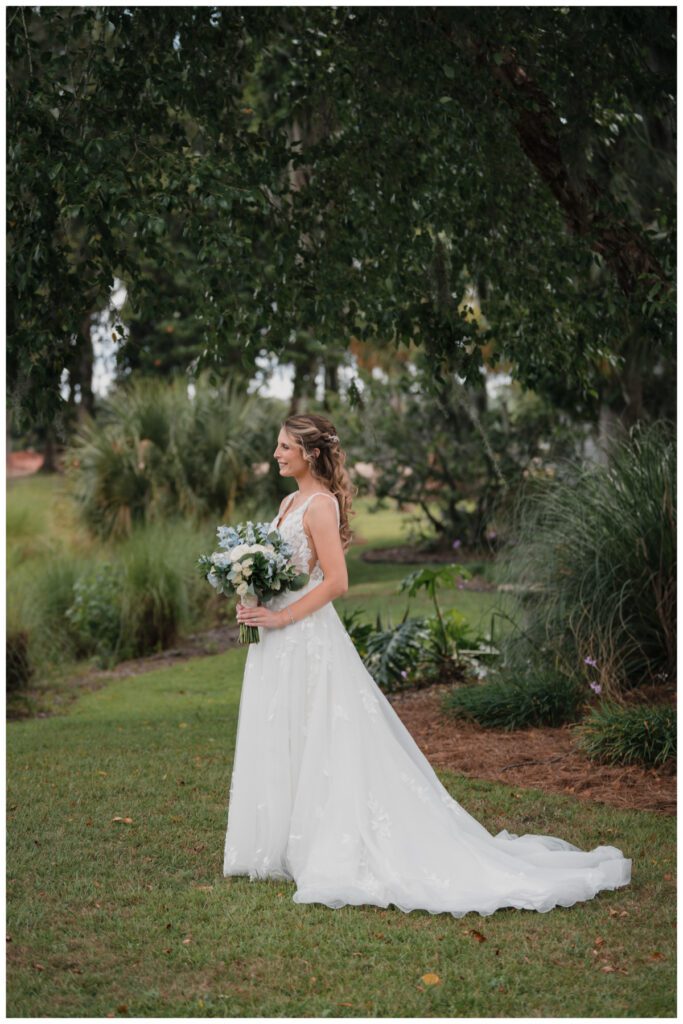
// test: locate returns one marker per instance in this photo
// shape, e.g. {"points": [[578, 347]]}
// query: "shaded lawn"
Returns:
{"points": [[104, 915]]}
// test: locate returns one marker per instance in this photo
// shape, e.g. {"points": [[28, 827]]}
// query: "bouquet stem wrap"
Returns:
{"points": [[249, 634]]}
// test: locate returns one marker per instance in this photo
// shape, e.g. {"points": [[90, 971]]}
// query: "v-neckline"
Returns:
{"points": [[291, 510]]}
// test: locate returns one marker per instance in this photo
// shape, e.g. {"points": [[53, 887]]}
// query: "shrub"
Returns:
{"points": [[596, 553], [393, 650], [18, 661], [155, 588], [95, 614], [534, 700], [360, 632], [642, 734]]}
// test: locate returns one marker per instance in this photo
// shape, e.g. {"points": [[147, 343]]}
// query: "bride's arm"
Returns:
{"points": [[321, 519]]}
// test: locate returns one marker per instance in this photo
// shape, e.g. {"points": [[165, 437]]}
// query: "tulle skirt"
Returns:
{"points": [[330, 790]]}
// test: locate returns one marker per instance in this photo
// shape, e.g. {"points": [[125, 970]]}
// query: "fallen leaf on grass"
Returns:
{"points": [[477, 935], [186, 942], [431, 979], [126, 821], [122, 1008], [39, 967], [656, 956]]}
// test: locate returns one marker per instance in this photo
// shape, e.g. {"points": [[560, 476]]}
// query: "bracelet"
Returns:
{"points": [[290, 615]]}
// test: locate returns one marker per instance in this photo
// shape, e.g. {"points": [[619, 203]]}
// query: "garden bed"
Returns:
{"points": [[404, 554], [535, 758]]}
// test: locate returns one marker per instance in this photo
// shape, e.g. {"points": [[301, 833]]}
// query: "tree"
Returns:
{"points": [[527, 153]]}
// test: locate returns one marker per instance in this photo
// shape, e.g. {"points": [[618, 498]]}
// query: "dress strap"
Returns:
{"points": [[325, 494]]}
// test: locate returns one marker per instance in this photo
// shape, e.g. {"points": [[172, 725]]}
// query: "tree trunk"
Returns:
{"points": [[84, 369], [305, 371], [536, 122], [49, 452]]}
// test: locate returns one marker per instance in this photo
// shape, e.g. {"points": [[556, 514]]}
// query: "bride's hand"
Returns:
{"points": [[259, 616]]}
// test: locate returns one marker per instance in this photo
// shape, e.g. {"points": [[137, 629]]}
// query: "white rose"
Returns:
{"points": [[242, 589], [237, 552]]}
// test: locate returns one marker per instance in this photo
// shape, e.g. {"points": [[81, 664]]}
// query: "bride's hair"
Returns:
{"points": [[310, 431]]}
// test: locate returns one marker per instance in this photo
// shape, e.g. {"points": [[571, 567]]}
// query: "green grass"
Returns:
{"points": [[99, 911], [373, 586]]}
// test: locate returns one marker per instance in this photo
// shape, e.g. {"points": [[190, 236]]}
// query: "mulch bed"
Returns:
{"points": [[534, 758], [406, 555], [23, 463]]}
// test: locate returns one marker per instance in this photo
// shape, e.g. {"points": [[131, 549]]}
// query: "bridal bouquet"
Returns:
{"points": [[254, 563]]}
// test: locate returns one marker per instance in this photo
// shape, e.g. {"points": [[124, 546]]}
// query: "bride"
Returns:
{"points": [[328, 788]]}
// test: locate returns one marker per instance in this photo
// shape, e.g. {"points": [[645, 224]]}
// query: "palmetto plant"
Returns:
{"points": [[154, 451], [391, 651]]}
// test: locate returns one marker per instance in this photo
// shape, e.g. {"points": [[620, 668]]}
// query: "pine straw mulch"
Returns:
{"points": [[535, 758]]}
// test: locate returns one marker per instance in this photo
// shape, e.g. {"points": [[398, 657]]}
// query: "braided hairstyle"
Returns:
{"points": [[312, 432]]}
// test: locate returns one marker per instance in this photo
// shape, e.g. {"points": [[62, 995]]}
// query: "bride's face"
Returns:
{"points": [[289, 457]]}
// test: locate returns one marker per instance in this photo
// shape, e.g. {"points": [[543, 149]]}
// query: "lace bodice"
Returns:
{"points": [[292, 529]]}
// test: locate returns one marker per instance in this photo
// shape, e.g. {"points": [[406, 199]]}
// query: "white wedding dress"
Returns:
{"points": [[330, 790]]}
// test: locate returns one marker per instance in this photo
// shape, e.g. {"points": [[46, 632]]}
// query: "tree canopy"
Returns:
{"points": [[320, 174]]}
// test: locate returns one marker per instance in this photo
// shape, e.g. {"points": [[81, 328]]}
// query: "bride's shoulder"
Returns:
{"points": [[319, 508]]}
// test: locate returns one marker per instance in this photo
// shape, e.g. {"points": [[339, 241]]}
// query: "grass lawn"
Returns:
{"points": [[135, 919]]}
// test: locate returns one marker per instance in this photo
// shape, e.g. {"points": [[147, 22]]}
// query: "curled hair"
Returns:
{"points": [[310, 431]]}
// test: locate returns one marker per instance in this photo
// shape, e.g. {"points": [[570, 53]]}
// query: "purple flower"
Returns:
{"points": [[404, 673], [595, 687], [460, 586], [457, 543], [590, 661]]}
